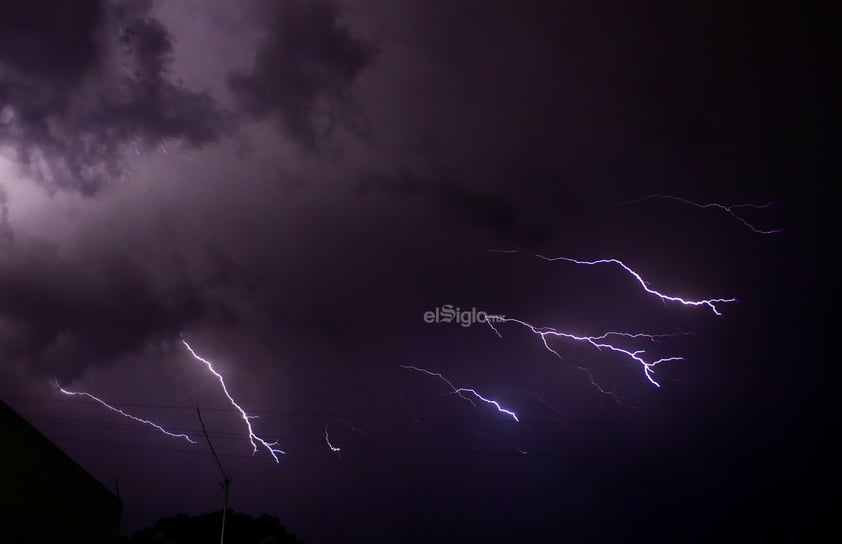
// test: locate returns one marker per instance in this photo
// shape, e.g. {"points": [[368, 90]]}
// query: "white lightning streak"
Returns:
{"points": [[253, 438], [336, 449], [460, 390], [710, 303], [329, 445], [124, 414], [596, 341]]}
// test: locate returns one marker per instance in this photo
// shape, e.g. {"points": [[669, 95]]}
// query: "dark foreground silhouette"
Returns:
{"points": [[203, 528]]}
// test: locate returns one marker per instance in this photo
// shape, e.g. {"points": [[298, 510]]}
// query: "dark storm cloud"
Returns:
{"points": [[528, 216], [304, 70], [6, 232], [79, 82], [54, 41], [61, 315]]}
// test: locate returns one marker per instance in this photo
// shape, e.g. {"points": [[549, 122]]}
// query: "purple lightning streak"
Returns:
{"points": [[124, 414], [598, 387], [253, 438], [651, 337], [460, 390], [599, 342], [445, 380], [710, 303], [727, 208]]}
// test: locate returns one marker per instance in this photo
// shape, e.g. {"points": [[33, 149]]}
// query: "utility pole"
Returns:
{"points": [[226, 481]]}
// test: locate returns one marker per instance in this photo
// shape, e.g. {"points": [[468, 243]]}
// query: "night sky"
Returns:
{"points": [[290, 185]]}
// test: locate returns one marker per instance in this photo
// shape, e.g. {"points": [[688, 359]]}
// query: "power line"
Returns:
{"points": [[391, 449], [329, 415], [215, 456]]}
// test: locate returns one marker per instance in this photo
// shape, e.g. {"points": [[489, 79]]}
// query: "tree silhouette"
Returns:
{"points": [[204, 528]]}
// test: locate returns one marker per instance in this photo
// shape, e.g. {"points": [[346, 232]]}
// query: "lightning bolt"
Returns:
{"points": [[333, 448], [254, 440], [710, 303], [595, 384], [124, 414], [329, 445], [727, 208], [599, 342], [460, 391]]}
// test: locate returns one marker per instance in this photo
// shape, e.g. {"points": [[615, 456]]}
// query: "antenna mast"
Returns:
{"points": [[226, 481]]}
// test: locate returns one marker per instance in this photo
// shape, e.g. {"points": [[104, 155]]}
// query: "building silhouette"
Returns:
{"points": [[47, 497]]}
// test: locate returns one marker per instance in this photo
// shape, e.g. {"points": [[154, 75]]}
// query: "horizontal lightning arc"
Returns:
{"points": [[710, 303], [727, 208], [599, 342], [124, 414]]}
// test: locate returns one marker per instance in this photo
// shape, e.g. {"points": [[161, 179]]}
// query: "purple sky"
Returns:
{"points": [[290, 185]]}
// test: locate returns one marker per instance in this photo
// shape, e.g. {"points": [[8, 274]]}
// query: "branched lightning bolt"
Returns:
{"points": [[461, 390], [253, 438], [710, 303], [437, 375], [124, 414], [727, 208], [599, 342]]}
